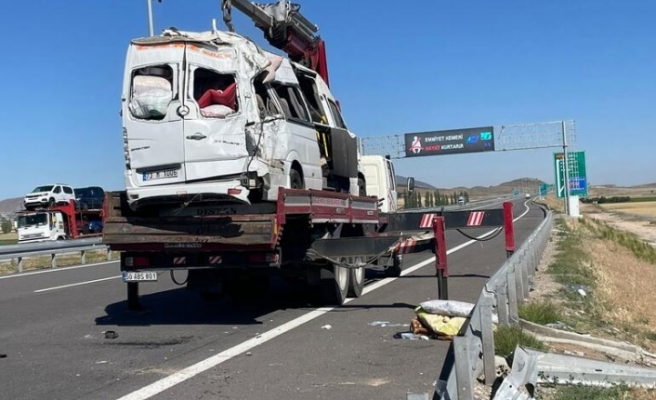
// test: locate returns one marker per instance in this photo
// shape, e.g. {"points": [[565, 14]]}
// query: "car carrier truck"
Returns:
{"points": [[59, 222], [238, 163]]}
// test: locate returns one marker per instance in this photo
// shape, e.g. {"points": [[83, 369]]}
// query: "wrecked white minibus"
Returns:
{"points": [[211, 117]]}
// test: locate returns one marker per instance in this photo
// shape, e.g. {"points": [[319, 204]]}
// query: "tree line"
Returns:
{"points": [[431, 199], [6, 226]]}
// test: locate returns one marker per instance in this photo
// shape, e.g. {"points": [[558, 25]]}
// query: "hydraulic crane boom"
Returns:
{"points": [[286, 29]]}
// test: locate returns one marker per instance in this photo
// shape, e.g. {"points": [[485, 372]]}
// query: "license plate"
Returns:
{"points": [[139, 276], [167, 174]]}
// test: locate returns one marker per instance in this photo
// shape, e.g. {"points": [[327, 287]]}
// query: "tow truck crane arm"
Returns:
{"points": [[286, 29]]}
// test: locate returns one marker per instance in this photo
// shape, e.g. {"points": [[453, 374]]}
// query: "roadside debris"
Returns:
{"points": [[3, 356], [582, 290], [560, 326], [451, 308], [410, 336], [327, 327], [439, 325], [437, 319], [384, 324], [110, 334]]}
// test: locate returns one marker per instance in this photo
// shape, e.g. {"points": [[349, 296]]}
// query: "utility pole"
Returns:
{"points": [[566, 167], [150, 16]]}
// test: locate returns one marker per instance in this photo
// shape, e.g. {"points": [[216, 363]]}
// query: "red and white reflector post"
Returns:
{"points": [[509, 227]]}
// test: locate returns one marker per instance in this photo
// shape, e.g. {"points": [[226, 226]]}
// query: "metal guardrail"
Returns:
{"points": [[16, 249], [452, 207], [504, 291], [20, 252]]}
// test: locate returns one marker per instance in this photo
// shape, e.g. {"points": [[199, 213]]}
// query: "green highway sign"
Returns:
{"points": [[578, 180], [544, 189]]}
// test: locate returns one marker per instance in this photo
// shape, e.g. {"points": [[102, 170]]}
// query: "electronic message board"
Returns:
{"points": [[453, 141]]}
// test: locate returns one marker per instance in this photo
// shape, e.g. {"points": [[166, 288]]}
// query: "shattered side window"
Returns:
{"points": [[152, 92], [215, 93], [265, 104], [292, 102], [309, 90], [339, 121]]}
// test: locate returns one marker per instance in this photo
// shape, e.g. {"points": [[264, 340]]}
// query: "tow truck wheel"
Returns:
{"points": [[295, 179], [356, 279], [334, 284]]}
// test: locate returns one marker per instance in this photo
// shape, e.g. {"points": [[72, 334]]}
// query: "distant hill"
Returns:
{"points": [[11, 206], [525, 184], [403, 181], [645, 186]]}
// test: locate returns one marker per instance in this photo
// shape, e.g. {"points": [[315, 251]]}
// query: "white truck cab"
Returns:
{"points": [[212, 117], [41, 226], [380, 180]]}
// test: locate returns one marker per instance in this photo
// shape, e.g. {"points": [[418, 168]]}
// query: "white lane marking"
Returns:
{"points": [[76, 284], [202, 366], [59, 269]]}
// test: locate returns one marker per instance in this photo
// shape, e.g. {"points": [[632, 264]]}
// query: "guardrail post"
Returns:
{"points": [[517, 268], [487, 337], [464, 379], [20, 264], [84, 257], [53, 260], [537, 252], [523, 268], [109, 255], [502, 305], [513, 310]]}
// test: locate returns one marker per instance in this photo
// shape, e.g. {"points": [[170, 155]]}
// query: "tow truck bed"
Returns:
{"points": [[229, 227]]}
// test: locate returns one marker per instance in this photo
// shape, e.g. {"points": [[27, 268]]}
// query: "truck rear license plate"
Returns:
{"points": [[140, 276], [166, 174]]}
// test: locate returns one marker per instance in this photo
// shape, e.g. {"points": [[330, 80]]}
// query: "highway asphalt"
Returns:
{"points": [[276, 347]]}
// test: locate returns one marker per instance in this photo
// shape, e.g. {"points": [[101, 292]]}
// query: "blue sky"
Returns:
{"points": [[396, 67]]}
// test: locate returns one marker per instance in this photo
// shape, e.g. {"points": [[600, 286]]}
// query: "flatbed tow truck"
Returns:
{"points": [[324, 239]]}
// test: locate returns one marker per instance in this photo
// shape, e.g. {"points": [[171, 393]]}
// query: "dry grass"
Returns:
{"points": [[620, 269], [625, 285], [67, 260], [620, 301], [640, 208], [554, 203], [8, 238], [621, 191], [579, 392]]}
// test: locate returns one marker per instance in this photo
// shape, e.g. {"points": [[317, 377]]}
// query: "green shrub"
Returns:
{"points": [[543, 312], [506, 338]]}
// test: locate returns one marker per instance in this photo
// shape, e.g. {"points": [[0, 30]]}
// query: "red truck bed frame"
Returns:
{"points": [[125, 230]]}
